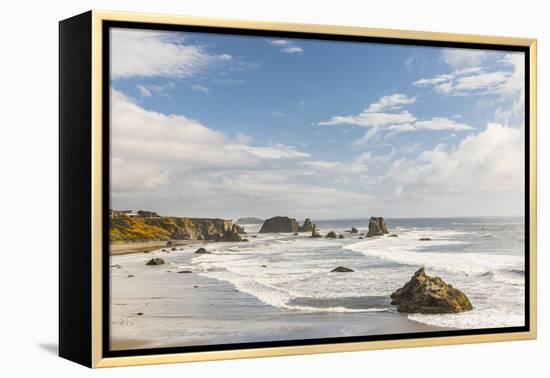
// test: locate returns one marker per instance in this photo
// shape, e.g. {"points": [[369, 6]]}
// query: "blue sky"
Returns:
{"points": [[313, 128]]}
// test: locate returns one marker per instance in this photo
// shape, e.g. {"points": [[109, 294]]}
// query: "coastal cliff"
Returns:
{"points": [[138, 229]]}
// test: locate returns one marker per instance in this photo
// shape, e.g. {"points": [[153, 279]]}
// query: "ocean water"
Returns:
{"points": [[483, 257]]}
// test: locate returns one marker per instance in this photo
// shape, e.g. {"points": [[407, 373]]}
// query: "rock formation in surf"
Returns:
{"points": [[429, 295], [314, 232], [285, 224], [331, 235], [280, 224], [377, 227], [307, 226], [155, 261], [341, 269]]}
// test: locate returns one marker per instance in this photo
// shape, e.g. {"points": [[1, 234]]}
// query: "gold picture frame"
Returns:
{"points": [[91, 259]]}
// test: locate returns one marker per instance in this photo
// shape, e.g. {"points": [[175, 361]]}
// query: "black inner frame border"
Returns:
{"points": [[106, 25]]}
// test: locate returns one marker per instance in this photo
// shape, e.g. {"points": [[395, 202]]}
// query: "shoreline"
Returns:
{"points": [[157, 307], [125, 248], [227, 296], [296, 327]]}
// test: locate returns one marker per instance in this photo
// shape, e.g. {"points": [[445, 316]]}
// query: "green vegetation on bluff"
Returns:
{"points": [[139, 229]]}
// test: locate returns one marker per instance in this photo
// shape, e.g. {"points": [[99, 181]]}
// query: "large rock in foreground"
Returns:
{"points": [[377, 227], [429, 295]]}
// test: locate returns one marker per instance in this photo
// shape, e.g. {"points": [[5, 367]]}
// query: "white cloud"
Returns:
{"points": [[402, 127], [410, 61], [367, 136], [466, 71], [442, 123], [143, 91], [464, 58], [393, 101], [368, 119], [150, 89], [176, 165], [354, 167], [285, 46], [126, 176], [444, 87], [278, 151], [394, 122], [151, 149], [436, 124], [438, 79], [278, 114], [476, 80], [200, 88], [516, 82], [492, 160], [150, 53], [487, 81], [374, 115], [279, 42]]}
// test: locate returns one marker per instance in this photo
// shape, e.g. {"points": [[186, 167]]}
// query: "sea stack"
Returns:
{"points": [[280, 224], [314, 233], [285, 224], [377, 227], [331, 235], [307, 226], [429, 295]]}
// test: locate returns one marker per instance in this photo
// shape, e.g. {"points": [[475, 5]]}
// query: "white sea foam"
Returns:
{"points": [[293, 272], [279, 269], [486, 318], [408, 249]]}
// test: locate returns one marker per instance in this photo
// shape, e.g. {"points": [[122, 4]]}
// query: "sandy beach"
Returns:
{"points": [[182, 309], [122, 248], [174, 305]]}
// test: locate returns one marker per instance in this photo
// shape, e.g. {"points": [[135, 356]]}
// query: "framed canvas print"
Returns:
{"points": [[235, 189]]}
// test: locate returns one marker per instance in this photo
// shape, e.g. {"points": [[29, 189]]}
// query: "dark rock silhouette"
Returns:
{"points": [[307, 226], [377, 227], [342, 269], [155, 261], [314, 233], [280, 224]]}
